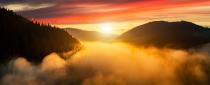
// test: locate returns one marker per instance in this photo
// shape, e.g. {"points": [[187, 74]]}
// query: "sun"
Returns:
{"points": [[105, 27]]}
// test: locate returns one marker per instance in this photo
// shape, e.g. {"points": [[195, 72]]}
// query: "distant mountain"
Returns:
{"points": [[180, 34], [90, 35], [21, 37]]}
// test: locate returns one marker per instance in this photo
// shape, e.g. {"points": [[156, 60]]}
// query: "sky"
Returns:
{"points": [[121, 15]]}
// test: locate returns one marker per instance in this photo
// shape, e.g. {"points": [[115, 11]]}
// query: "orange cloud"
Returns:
{"points": [[92, 11], [142, 10]]}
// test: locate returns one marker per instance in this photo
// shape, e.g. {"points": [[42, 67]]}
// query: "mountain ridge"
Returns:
{"points": [[84, 35], [180, 34]]}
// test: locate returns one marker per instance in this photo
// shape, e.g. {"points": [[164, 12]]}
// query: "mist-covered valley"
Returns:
{"points": [[99, 63], [155, 53]]}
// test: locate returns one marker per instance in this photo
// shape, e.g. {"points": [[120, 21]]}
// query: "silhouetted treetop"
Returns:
{"points": [[22, 37]]}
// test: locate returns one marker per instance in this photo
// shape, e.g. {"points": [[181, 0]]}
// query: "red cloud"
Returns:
{"points": [[82, 12]]}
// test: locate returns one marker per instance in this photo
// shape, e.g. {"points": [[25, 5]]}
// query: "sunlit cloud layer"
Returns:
{"points": [[116, 66]]}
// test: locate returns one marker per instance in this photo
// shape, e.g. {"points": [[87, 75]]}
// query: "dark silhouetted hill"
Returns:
{"points": [[180, 34], [21, 37], [90, 35]]}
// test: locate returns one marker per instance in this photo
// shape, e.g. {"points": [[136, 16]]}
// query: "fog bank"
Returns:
{"points": [[114, 64]]}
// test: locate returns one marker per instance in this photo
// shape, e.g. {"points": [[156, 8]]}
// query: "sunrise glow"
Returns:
{"points": [[86, 15], [105, 42], [105, 28]]}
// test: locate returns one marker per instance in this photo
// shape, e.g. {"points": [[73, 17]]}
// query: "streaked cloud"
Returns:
{"points": [[93, 11], [26, 7]]}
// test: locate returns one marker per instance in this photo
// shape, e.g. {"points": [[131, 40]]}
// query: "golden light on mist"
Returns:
{"points": [[95, 65]]}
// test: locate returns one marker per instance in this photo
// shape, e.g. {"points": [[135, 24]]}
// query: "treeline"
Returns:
{"points": [[22, 37]]}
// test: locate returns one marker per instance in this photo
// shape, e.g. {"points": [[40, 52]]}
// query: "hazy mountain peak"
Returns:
{"points": [[84, 35]]}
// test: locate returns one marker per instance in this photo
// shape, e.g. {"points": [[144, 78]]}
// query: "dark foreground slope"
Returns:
{"points": [[21, 37], [167, 34], [89, 35]]}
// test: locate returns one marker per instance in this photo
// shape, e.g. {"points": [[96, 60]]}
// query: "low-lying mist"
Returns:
{"points": [[114, 64]]}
